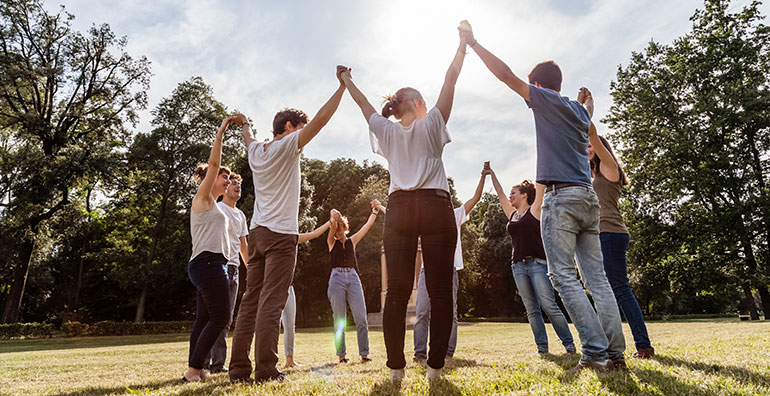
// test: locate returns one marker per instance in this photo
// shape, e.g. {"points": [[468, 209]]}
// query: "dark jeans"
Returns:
{"points": [[208, 272], [272, 257], [614, 246], [216, 358], [426, 214]]}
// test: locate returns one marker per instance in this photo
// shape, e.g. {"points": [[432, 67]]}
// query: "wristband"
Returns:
{"points": [[474, 43]]}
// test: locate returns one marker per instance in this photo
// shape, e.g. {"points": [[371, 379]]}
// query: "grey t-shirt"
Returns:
{"points": [[238, 227], [562, 127], [209, 231]]}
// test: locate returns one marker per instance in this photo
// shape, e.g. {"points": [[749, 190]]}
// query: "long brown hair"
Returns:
{"points": [[596, 161]]}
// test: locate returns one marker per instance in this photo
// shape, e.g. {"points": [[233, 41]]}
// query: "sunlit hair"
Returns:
{"points": [[596, 162], [526, 187], [236, 178], [345, 223], [547, 74], [294, 116], [200, 172], [400, 102]]}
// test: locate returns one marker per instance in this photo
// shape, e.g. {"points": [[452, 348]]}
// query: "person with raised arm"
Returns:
{"points": [[289, 313], [608, 182], [345, 284], [528, 262], [273, 236], [419, 206], [570, 214], [422, 303], [210, 253]]}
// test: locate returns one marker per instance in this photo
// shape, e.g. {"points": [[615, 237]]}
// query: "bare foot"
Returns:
{"points": [[193, 375], [290, 362]]}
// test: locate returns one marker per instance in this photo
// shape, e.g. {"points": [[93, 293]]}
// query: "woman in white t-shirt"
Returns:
{"points": [[419, 206]]}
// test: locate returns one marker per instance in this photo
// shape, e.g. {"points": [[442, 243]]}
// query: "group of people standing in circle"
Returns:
{"points": [[568, 219]]}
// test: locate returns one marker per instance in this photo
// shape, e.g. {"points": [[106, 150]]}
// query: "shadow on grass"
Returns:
{"points": [[670, 385], [50, 344], [443, 387], [458, 363], [620, 382], [385, 388], [565, 361], [739, 373], [135, 388]]}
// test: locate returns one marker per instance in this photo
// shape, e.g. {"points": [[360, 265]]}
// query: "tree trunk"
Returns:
{"points": [[13, 300], [765, 296], [83, 249], [151, 256], [750, 300], [140, 306]]}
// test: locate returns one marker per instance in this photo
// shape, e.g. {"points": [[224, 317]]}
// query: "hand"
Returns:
{"points": [[487, 170], [335, 215], [226, 122], [466, 32], [583, 95], [340, 71], [376, 204], [239, 119]]}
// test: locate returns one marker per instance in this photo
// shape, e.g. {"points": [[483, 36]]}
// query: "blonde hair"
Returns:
{"points": [[394, 104]]}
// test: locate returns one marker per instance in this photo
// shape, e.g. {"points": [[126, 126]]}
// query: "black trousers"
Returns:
{"points": [[426, 214], [208, 272]]}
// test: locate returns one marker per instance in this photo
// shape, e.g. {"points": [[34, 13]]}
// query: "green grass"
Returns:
{"points": [[694, 358]]}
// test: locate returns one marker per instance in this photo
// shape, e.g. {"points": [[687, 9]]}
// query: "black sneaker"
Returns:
{"points": [[365, 360], [245, 380], [590, 364], [279, 377]]}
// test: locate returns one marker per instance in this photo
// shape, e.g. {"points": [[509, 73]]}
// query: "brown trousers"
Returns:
{"points": [[269, 273]]}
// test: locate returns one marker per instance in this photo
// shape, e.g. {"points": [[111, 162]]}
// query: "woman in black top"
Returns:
{"points": [[529, 265], [344, 283]]}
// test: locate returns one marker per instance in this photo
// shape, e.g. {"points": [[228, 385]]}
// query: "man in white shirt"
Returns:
{"points": [[423, 300], [237, 231], [273, 236]]}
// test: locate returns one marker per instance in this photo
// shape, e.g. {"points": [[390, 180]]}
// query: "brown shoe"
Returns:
{"points": [[644, 353], [619, 364], [590, 364]]}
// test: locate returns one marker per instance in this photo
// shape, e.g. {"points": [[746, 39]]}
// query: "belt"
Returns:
{"points": [[343, 269], [424, 192], [556, 186]]}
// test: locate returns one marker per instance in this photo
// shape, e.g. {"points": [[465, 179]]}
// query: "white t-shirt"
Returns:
{"points": [[413, 152], [238, 227], [275, 171], [460, 218]]}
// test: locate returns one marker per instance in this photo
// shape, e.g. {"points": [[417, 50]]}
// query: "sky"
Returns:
{"points": [[261, 56]]}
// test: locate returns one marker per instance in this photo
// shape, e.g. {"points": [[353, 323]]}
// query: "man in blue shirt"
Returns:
{"points": [[570, 217]]}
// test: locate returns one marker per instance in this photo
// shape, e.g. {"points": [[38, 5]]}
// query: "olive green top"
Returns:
{"points": [[608, 192]]}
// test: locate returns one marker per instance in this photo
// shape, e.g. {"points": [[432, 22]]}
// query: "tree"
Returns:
{"points": [[692, 120], [64, 98]]}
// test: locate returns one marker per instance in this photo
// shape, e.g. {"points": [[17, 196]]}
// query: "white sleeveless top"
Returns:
{"points": [[209, 231]]}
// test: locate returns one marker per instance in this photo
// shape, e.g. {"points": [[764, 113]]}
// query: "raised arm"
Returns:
{"points": [[537, 206], [469, 204], [323, 116], [203, 199], [304, 237], [446, 97], [494, 64], [366, 108], [587, 100], [334, 219], [241, 120], [376, 204], [362, 232], [504, 202], [609, 167]]}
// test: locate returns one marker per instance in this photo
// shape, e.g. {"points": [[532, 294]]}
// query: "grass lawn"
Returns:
{"points": [[713, 357]]}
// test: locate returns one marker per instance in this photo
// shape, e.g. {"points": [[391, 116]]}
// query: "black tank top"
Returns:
{"points": [[344, 256], [525, 237]]}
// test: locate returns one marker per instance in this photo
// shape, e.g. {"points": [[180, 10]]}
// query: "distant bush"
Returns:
{"points": [[103, 328], [26, 330]]}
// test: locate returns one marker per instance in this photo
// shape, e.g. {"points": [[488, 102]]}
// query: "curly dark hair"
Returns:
{"points": [[526, 187], [294, 116]]}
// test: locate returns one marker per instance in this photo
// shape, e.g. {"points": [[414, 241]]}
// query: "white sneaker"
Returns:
{"points": [[397, 375], [433, 374]]}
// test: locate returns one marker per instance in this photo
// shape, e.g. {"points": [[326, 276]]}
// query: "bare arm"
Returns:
{"points": [[366, 108], [504, 202], [496, 66], [244, 249], [609, 167], [241, 120], [334, 219], [469, 204], [323, 116], [362, 232], [304, 237], [587, 100], [377, 205], [537, 207], [446, 97], [203, 199]]}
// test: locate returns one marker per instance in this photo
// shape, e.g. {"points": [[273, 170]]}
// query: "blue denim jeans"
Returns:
{"points": [[208, 273], [423, 317], [288, 319], [345, 286], [216, 358], [570, 229], [531, 276], [614, 246]]}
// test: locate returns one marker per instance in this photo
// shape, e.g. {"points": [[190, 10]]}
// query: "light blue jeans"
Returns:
{"points": [[345, 286], [288, 319], [423, 318], [570, 230], [531, 276]]}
